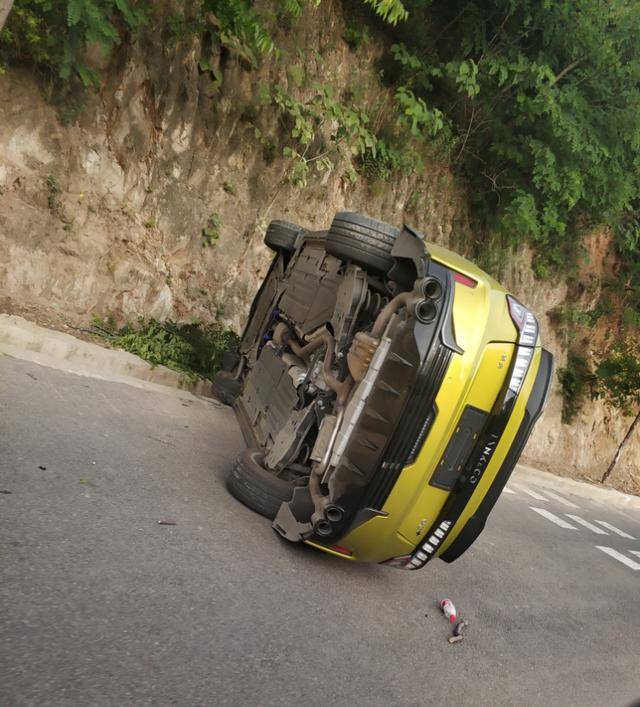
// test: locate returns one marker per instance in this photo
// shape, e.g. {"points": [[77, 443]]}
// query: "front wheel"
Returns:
{"points": [[281, 236], [257, 487]]}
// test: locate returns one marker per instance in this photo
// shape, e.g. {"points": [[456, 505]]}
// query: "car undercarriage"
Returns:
{"points": [[345, 351]]}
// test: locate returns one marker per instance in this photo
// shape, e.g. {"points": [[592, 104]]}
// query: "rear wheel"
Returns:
{"points": [[226, 387], [362, 240], [281, 236], [257, 487]]}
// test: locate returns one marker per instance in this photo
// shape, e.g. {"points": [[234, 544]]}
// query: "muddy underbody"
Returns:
{"points": [[332, 379]]}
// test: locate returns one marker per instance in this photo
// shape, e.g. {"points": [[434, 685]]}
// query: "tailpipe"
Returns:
{"points": [[334, 514], [322, 527]]}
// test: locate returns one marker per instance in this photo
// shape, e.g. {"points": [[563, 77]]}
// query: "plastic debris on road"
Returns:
{"points": [[449, 610]]}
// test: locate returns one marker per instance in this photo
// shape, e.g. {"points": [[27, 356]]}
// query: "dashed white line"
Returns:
{"points": [[507, 491], [615, 530], [586, 524], [620, 557], [560, 499], [533, 494], [553, 518], [635, 552]]}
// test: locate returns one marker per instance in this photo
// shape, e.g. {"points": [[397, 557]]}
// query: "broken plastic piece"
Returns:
{"points": [[457, 631]]}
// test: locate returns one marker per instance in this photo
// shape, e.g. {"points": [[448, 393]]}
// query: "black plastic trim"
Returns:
{"points": [[418, 413], [460, 447], [534, 408], [413, 427]]}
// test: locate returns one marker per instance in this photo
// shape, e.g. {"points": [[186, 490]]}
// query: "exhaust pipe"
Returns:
{"points": [[426, 311], [322, 528], [432, 288], [334, 513]]}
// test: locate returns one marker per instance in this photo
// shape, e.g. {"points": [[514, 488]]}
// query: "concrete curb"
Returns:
{"points": [[582, 489], [22, 339]]}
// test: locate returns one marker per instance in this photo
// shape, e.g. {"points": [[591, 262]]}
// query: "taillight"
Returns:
{"points": [[517, 311], [464, 280], [341, 550], [525, 322], [527, 326]]}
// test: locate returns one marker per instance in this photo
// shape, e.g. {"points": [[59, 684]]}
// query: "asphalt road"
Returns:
{"points": [[100, 605]]}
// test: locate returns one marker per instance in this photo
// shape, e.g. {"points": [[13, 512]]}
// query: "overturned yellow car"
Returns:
{"points": [[386, 388]]}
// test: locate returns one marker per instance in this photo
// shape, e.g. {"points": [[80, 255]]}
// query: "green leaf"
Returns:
{"points": [[74, 11]]}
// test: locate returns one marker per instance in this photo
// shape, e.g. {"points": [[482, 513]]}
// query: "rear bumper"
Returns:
{"points": [[534, 407], [453, 523], [488, 467], [389, 426]]}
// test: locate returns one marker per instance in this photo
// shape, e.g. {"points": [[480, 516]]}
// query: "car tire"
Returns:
{"points": [[226, 388], [362, 240], [257, 487], [229, 361], [281, 236]]}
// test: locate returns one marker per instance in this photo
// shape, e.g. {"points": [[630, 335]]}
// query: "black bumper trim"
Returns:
{"points": [[418, 414], [534, 408]]}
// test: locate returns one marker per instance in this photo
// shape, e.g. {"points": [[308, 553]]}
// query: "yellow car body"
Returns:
{"points": [[486, 332], [419, 419]]}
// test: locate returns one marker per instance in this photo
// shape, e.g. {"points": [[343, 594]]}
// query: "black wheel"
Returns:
{"points": [[226, 388], [363, 240], [281, 235], [230, 361], [257, 487]]}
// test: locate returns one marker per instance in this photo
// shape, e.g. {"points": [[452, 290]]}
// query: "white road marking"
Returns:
{"points": [[533, 494], [635, 552], [507, 491], [620, 557], [560, 499], [553, 518], [615, 530], [591, 526]]}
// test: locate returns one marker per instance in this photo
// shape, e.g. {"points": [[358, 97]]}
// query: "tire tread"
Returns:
{"points": [[256, 487], [361, 239]]}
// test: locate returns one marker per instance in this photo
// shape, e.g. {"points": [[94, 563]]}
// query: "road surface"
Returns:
{"points": [[101, 605]]}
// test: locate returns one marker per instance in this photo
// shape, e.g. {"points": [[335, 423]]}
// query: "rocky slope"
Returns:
{"points": [[105, 214]]}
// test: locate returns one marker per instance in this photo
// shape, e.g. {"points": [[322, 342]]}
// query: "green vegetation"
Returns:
{"points": [[618, 375], [535, 102], [575, 381], [616, 378], [304, 120], [572, 320], [193, 349], [230, 188], [327, 131], [53, 35], [53, 191], [541, 102], [356, 35], [211, 230]]}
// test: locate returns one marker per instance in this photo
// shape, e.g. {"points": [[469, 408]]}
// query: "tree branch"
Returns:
{"points": [[621, 448], [567, 69]]}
